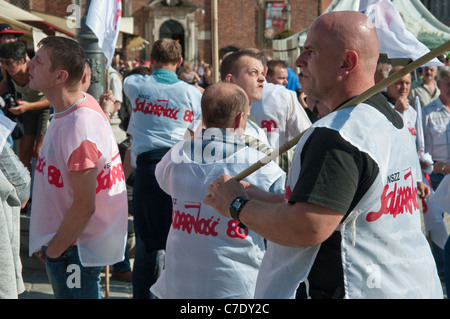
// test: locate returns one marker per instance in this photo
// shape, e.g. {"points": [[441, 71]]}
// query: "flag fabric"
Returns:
{"points": [[433, 217], [395, 40], [441, 196], [6, 127], [432, 206], [425, 158], [103, 18], [419, 129]]}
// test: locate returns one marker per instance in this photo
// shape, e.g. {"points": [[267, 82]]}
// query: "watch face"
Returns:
{"points": [[236, 204]]}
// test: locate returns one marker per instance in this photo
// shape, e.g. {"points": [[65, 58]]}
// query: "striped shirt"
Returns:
{"points": [[436, 130]]}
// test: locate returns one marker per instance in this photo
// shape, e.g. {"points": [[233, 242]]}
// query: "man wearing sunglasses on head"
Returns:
{"points": [[30, 105]]}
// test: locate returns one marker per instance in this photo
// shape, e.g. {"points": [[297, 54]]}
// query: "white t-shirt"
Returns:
{"points": [[280, 114], [208, 255], [81, 138]]}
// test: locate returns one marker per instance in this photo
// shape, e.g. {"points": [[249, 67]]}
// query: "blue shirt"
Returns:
{"points": [[293, 81], [163, 109]]}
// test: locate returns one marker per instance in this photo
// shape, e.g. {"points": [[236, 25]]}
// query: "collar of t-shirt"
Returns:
{"points": [[213, 144], [380, 102], [164, 76], [388, 98]]}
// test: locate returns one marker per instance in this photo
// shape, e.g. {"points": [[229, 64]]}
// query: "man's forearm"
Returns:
{"points": [[294, 225], [73, 224], [78, 215]]}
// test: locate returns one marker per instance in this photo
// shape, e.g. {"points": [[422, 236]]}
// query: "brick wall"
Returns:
{"points": [[240, 22]]}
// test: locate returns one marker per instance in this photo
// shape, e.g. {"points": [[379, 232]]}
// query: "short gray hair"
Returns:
{"points": [[443, 72]]}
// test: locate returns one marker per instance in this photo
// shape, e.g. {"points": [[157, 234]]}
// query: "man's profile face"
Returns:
{"points": [[279, 76], [318, 63], [39, 68]]}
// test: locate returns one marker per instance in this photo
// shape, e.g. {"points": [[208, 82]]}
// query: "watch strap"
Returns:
{"points": [[242, 200]]}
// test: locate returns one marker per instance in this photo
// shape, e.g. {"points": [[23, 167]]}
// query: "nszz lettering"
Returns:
{"points": [[393, 177], [401, 200]]}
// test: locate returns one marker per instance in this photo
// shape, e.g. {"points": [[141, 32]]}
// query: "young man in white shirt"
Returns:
{"points": [[79, 216]]}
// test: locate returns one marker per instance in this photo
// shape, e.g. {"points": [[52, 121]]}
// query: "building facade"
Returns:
{"points": [[241, 24], [249, 23]]}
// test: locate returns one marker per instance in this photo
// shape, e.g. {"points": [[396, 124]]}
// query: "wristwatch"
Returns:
{"points": [[236, 206]]}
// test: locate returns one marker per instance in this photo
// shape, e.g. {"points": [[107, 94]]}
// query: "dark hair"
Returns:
{"points": [[142, 70], [227, 49], [272, 65], [65, 54], [166, 51], [230, 64], [13, 50], [221, 102]]}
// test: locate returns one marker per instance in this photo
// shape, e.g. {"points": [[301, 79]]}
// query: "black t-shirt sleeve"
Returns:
{"points": [[334, 173]]}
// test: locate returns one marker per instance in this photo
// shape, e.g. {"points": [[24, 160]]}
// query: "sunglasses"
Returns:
{"points": [[6, 62]]}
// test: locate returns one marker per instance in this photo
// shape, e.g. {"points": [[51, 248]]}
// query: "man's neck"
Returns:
{"points": [[62, 102], [169, 66], [429, 83], [445, 102]]}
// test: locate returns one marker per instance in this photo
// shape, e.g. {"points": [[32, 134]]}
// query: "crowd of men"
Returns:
{"points": [[337, 216]]}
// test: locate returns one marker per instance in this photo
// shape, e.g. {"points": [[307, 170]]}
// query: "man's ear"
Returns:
{"points": [[180, 62], [350, 62], [62, 76], [238, 119], [229, 78]]}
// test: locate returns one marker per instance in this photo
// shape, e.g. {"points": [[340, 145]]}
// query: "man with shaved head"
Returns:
{"points": [[207, 255], [349, 224], [397, 95]]}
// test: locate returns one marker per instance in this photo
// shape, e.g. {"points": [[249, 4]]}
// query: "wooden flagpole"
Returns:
{"points": [[215, 40], [107, 271], [355, 101]]}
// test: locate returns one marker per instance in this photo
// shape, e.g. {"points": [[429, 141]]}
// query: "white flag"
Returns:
{"points": [[104, 20], [6, 127], [426, 160], [441, 196], [433, 215], [420, 137], [395, 40]]}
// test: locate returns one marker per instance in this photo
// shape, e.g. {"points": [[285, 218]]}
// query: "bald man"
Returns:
{"points": [[397, 96], [349, 223], [207, 255]]}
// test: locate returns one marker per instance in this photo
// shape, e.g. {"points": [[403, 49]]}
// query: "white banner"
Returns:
{"points": [[103, 19], [433, 215], [6, 127], [395, 40]]}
